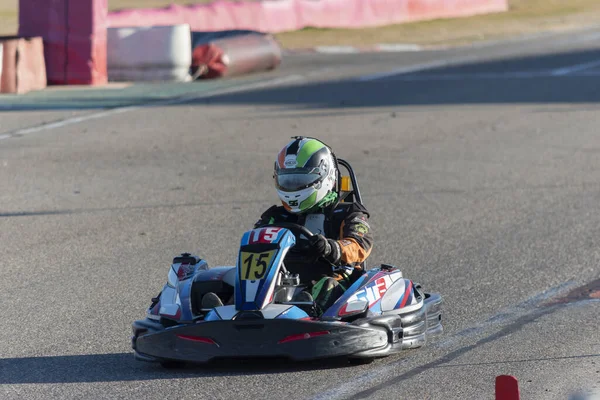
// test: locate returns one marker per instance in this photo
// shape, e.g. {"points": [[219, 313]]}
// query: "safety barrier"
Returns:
{"points": [[154, 53], [74, 35], [275, 16], [204, 37], [22, 67], [236, 55]]}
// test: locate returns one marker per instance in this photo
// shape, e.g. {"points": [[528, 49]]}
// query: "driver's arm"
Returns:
{"points": [[356, 238], [267, 218]]}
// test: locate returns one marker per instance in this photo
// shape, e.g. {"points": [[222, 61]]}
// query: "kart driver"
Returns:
{"points": [[305, 175]]}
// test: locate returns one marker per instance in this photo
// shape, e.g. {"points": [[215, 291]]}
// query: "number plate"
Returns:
{"points": [[255, 265]]}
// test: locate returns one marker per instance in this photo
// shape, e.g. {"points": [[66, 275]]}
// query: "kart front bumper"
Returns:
{"points": [[294, 339]]}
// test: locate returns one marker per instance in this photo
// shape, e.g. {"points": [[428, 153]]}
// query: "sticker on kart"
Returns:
{"points": [[264, 235], [254, 266]]}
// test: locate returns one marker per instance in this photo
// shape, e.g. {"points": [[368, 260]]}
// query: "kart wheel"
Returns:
{"points": [[172, 364], [360, 361]]}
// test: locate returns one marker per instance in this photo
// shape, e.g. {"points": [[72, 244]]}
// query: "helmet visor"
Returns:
{"points": [[292, 179]]}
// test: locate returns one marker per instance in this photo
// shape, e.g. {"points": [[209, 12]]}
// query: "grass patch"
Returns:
{"points": [[523, 17]]}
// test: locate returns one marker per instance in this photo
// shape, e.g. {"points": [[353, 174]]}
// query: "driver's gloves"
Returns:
{"points": [[329, 249]]}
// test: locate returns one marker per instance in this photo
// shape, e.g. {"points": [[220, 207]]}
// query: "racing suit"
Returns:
{"points": [[345, 223]]}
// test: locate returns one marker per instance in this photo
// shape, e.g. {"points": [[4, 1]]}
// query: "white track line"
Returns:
{"points": [[170, 101], [381, 47], [575, 68], [496, 322], [404, 73], [592, 36], [490, 76], [584, 74], [336, 49], [416, 68], [399, 47], [562, 38], [475, 76]]}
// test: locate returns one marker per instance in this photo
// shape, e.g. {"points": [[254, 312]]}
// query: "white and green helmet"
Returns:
{"points": [[305, 175]]}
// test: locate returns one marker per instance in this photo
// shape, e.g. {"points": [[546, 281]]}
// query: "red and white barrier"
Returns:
{"points": [[154, 53], [74, 33], [236, 56], [276, 16], [22, 67]]}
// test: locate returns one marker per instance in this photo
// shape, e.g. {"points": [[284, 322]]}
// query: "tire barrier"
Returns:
{"points": [[74, 33], [22, 66], [274, 16], [156, 53], [235, 55], [204, 37]]}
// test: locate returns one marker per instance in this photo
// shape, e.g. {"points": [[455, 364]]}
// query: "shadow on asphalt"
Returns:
{"points": [[123, 367], [235, 205], [507, 81], [465, 85]]}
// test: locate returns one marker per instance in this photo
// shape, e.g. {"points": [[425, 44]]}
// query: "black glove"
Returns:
{"points": [[319, 246], [329, 249]]}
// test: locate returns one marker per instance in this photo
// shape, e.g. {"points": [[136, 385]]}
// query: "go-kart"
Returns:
{"points": [[258, 308]]}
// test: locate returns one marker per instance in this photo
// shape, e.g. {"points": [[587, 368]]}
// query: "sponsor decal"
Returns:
{"points": [[184, 271], [373, 291], [290, 162], [361, 228], [360, 220], [264, 235]]}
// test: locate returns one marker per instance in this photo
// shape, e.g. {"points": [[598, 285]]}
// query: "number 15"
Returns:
{"points": [[256, 267]]}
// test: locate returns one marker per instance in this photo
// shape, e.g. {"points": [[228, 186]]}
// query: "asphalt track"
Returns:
{"points": [[480, 167]]}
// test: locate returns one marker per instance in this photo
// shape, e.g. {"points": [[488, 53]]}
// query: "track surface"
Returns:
{"points": [[483, 181]]}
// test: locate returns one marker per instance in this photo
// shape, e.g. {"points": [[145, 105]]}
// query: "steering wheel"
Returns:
{"points": [[302, 245], [296, 229]]}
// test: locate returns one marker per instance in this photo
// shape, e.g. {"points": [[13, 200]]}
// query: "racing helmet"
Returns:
{"points": [[305, 175]]}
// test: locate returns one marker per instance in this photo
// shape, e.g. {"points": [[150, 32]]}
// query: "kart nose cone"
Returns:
{"points": [[253, 337]]}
